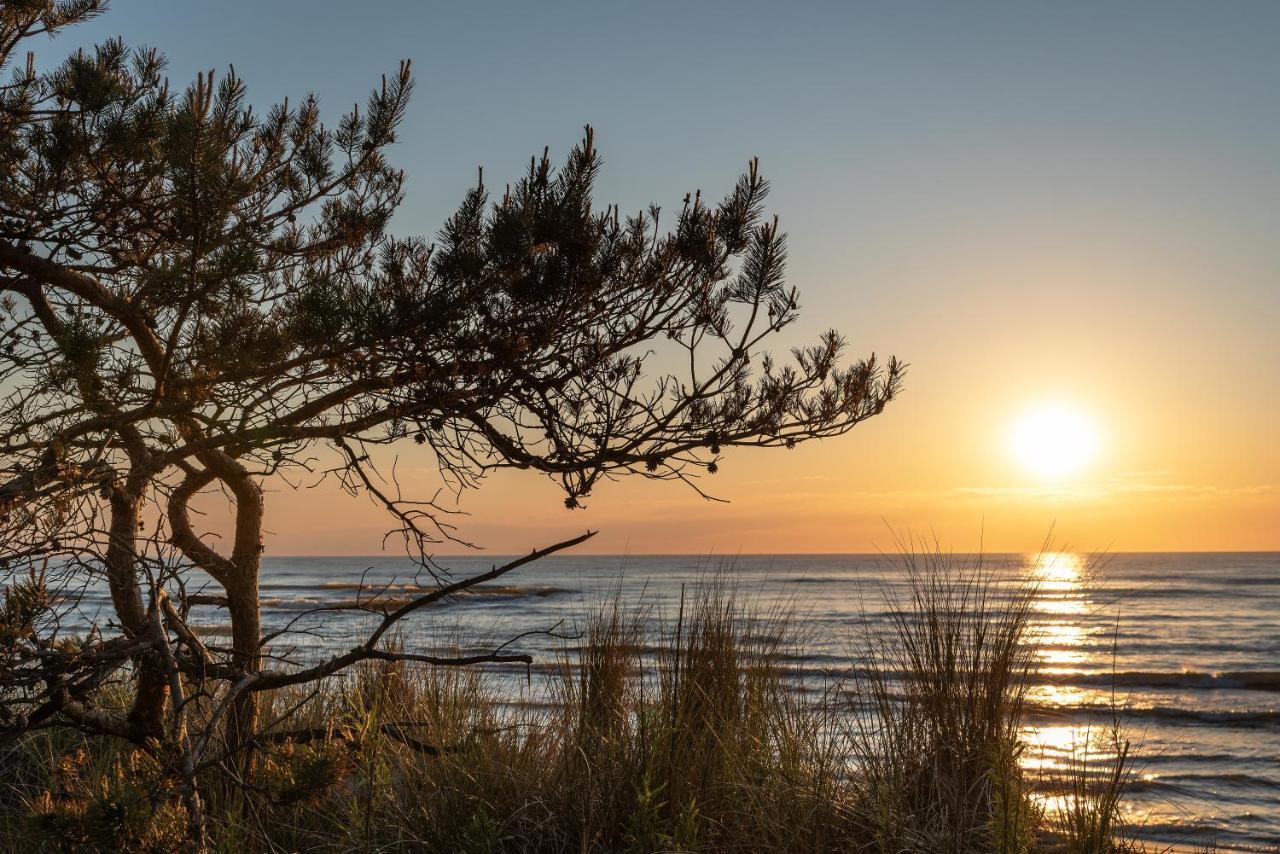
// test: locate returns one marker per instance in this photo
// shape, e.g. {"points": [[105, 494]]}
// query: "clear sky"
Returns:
{"points": [[1071, 204]]}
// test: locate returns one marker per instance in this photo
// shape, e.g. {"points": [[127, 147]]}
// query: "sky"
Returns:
{"points": [[1070, 206]]}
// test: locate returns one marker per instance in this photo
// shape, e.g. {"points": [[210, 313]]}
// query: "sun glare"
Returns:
{"points": [[1053, 441]]}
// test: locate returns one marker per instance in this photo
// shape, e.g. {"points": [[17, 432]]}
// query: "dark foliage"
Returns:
{"points": [[201, 297]]}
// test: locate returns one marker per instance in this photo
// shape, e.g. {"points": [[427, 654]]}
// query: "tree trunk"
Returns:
{"points": [[146, 716], [238, 576], [246, 634], [246, 618]]}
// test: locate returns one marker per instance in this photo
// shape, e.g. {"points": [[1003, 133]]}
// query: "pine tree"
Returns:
{"points": [[199, 296]]}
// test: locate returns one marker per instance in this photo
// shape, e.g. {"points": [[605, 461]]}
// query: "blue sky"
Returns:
{"points": [[1076, 200]]}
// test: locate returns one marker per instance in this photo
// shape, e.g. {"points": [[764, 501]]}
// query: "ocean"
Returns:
{"points": [[1186, 646]]}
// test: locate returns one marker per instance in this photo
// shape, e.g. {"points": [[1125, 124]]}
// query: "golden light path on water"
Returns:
{"points": [[1061, 754]]}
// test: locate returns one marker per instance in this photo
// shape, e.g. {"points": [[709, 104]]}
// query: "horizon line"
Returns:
{"points": [[486, 553]]}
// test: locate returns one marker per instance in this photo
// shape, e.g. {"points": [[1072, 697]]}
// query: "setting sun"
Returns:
{"points": [[1053, 441]]}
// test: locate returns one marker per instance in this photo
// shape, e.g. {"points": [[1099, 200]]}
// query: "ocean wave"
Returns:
{"points": [[1187, 680], [380, 598], [1192, 755], [1184, 680], [407, 587], [1239, 718], [1216, 835], [1195, 782], [1244, 789]]}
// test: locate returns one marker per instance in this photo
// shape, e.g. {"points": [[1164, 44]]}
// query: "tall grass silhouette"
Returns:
{"points": [[688, 733]]}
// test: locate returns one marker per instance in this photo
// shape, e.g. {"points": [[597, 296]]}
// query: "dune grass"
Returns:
{"points": [[708, 744]]}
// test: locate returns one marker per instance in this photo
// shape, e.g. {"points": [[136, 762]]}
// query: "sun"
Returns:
{"points": [[1053, 441]]}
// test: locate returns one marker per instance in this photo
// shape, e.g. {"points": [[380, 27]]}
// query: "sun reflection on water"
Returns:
{"points": [[1058, 570], [1060, 607], [1060, 604]]}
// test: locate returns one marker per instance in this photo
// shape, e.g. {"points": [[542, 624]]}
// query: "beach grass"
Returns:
{"points": [[699, 740]]}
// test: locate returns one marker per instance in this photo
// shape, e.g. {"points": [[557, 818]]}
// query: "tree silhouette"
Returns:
{"points": [[199, 298]]}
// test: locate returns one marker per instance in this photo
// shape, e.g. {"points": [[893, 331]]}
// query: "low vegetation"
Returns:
{"points": [[703, 742]]}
